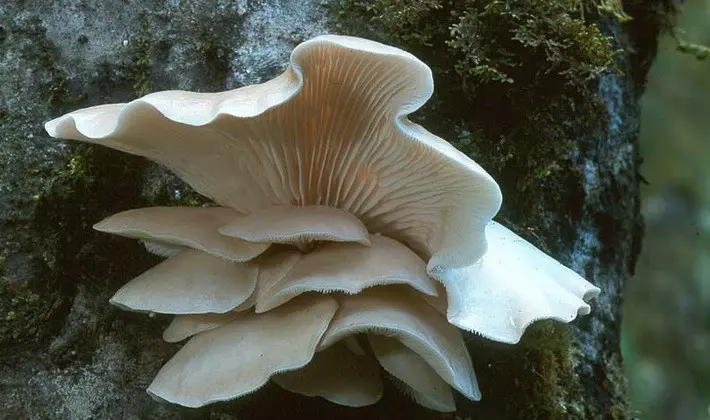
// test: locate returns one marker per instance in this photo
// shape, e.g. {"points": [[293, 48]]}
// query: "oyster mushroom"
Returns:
{"points": [[330, 131], [177, 227], [191, 282], [417, 325], [337, 375], [348, 268], [418, 379], [239, 357], [323, 186], [511, 286]]}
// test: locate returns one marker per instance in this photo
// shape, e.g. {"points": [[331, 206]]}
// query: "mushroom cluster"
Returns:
{"points": [[346, 241]]}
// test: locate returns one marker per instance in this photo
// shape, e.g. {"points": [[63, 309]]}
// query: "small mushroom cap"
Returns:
{"points": [[397, 312], [191, 282], [192, 227], [510, 287], [298, 224], [348, 268], [331, 130], [239, 357], [425, 386], [185, 326], [337, 375]]}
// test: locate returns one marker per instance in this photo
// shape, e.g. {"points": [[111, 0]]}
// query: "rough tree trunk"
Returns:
{"points": [[568, 172]]}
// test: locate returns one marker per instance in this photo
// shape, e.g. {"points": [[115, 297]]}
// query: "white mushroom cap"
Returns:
{"points": [[193, 227], [331, 130], [191, 282], [239, 357], [344, 267], [397, 312], [425, 386], [185, 326], [337, 375], [510, 287], [298, 225]]}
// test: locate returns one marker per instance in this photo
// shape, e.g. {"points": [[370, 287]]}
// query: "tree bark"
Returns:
{"points": [[65, 353]]}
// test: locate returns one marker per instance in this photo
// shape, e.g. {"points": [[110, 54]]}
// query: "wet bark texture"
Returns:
{"points": [[65, 353]]}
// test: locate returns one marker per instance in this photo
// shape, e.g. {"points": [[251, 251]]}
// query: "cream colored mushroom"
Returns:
{"points": [[337, 375], [324, 186], [191, 282], [185, 326], [511, 286], [346, 267], [330, 131], [239, 357], [175, 227], [418, 379], [396, 312], [299, 226]]}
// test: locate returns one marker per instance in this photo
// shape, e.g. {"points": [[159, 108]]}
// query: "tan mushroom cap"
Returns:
{"points": [[426, 387], [513, 285], [331, 130], [336, 375], [192, 227], [239, 357], [192, 282], [298, 225], [395, 311], [185, 326], [344, 267]]}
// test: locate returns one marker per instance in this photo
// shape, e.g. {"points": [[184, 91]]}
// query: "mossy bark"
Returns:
{"points": [[548, 104]]}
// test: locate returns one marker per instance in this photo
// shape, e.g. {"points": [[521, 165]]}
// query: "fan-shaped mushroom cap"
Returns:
{"points": [[426, 387], [510, 287], [193, 227], [191, 282], [331, 130], [298, 225], [239, 357], [345, 267], [337, 375], [400, 313]]}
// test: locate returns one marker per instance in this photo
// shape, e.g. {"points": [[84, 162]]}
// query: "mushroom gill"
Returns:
{"points": [[346, 239]]}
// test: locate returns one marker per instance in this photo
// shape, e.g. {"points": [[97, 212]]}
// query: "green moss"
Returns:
{"points": [[215, 56], [507, 73], [401, 21], [550, 33], [142, 49], [530, 380], [614, 8], [701, 52], [94, 183], [23, 313]]}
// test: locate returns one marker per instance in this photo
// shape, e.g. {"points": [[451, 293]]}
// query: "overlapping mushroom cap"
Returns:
{"points": [[338, 222]]}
